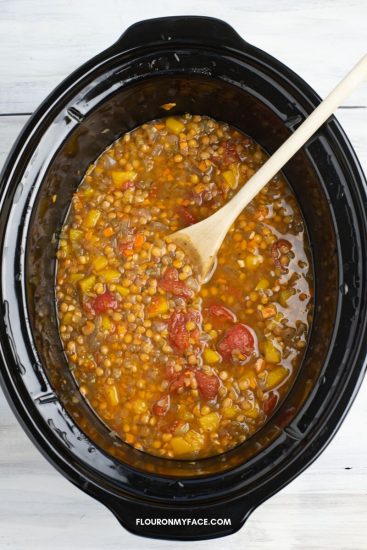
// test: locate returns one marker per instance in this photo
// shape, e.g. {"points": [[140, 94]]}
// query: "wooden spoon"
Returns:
{"points": [[202, 241]]}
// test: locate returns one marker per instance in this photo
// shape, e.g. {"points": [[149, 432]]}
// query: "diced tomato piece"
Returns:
{"points": [[171, 274], [217, 310], [126, 248], [239, 338], [103, 302], [270, 404], [161, 407], [170, 372], [195, 335], [186, 216], [88, 309], [208, 384], [172, 427], [178, 382], [179, 336], [170, 283], [230, 154], [128, 185]]}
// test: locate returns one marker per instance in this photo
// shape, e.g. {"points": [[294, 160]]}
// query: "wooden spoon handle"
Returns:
{"points": [[203, 240], [295, 141]]}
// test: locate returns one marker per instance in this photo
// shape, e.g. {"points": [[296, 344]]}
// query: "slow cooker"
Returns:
{"points": [[204, 67]]}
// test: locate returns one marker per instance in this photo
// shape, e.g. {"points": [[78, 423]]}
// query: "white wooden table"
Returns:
{"points": [[42, 41]]}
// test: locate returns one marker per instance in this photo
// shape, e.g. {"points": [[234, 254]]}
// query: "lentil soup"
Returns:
{"points": [[177, 369]]}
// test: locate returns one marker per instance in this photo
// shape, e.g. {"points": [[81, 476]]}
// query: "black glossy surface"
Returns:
{"points": [[205, 67]]}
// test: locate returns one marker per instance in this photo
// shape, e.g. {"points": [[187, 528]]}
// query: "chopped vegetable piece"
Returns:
{"points": [[139, 406], [284, 296], [127, 248], [250, 378], [208, 384], [107, 323], [272, 354], [92, 218], [252, 262], [158, 306], [195, 439], [75, 277], [210, 422], [139, 241], [88, 328], [121, 177], [99, 262], [270, 403], [178, 381], [179, 336], [275, 377], [210, 356], [161, 407], [108, 232], [104, 302], [230, 178], [112, 395], [122, 290], [75, 234], [230, 412], [221, 311], [88, 192], [268, 311], [174, 125], [253, 412], [168, 106], [230, 153], [87, 283], [238, 338], [109, 275], [170, 283], [187, 217], [180, 446]]}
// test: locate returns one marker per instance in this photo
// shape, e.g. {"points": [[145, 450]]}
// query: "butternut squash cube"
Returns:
{"points": [[210, 422], [176, 126], [272, 354], [275, 377], [119, 177], [112, 395], [92, 218], [87, 283], [210, 356]]}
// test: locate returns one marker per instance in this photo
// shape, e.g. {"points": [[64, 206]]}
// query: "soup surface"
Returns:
{"points": [[177, 369]]}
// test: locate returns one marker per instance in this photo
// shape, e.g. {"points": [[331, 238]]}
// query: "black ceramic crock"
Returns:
{"points": [[205, 67]]}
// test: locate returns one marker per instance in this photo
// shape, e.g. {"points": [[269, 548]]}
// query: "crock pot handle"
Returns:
{"points": [[182, 522], [188, 29]]}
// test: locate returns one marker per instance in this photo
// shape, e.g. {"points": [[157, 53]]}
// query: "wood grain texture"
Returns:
{"points": [[41, 42]]}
